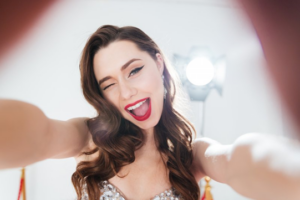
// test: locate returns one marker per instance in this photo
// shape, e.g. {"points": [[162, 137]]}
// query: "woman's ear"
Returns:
{"points": [[160, 63]]}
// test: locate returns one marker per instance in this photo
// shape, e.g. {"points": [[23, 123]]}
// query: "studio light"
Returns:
{"points": [[200, 72]]}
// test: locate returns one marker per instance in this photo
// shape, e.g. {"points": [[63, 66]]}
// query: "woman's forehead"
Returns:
{"points": [[111, 59], [117, 54]]}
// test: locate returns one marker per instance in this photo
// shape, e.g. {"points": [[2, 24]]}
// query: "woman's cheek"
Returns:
{"points": [[149, 80], [112, 96], [142, 81]]}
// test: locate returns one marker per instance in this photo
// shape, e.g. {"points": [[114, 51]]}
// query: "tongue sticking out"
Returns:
{"points": [[141, 111]]}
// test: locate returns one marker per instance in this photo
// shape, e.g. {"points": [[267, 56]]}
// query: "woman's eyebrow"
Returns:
{"points": [[122, 69]]}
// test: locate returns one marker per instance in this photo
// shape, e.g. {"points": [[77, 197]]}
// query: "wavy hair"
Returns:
{"points": [[117, 138]]}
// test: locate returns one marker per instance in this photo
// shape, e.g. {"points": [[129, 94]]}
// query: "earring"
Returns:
{"points": [[165, 90]]}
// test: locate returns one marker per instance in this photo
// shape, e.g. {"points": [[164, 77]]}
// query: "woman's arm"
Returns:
{"points": [[28, 136], [262, 167]]}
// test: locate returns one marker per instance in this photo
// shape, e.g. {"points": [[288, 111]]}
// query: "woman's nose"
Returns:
{"points": [[127, 91]]}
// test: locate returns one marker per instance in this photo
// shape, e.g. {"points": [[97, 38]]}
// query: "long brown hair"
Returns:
{"points": [[117, 138]]}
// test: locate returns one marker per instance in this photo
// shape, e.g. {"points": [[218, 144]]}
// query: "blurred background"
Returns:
{"points": [[43, 69]]}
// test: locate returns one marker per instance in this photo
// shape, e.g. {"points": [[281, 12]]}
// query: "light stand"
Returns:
{"points": [[200, 73]]}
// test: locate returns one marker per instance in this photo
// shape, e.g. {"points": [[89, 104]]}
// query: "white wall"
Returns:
{"points": [[43, 70]]}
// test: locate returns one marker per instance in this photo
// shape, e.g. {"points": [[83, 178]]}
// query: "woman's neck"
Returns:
{"points": [[148, 164], [149, 148]]}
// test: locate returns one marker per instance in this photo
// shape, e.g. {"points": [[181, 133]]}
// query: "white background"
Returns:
{"points": [[44, 70]]}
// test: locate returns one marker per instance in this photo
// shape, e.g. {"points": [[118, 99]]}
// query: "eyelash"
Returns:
{"points": [[136, 70]]}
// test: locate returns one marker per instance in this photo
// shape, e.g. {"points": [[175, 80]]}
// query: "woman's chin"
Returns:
{"points": [[143, 125]]}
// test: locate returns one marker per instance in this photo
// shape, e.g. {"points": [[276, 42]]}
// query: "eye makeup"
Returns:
{"points": [[136, 70]]}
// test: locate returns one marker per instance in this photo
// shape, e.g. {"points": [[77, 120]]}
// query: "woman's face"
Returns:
{"points": [[134, 84]]}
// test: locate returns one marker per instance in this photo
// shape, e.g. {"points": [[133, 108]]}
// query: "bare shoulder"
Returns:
{"points": [[253, 158], [89, 147], [67, 138], [210, 159], [218, 161], [199, 146]]}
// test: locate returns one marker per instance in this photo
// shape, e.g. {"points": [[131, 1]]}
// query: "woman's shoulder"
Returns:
{"points": [[89, 147]]}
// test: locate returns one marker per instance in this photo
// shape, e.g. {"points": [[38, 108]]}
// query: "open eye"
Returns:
{"points": [[136, 70]]}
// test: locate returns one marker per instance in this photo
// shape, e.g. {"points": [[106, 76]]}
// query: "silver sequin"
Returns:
{"points": [[109, 192]]}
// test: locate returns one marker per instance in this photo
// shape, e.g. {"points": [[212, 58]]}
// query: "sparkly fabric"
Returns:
{"points": [[109, 192]]}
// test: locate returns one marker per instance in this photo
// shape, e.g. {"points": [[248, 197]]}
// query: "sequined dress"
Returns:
{"points": [[110, 192]]}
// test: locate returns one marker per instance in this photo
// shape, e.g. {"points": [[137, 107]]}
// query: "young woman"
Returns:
{"points": [[139, 146], [144, 146]]}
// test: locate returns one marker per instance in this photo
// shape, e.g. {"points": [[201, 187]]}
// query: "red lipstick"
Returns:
{"points": [[147, 114], [132, 104]]}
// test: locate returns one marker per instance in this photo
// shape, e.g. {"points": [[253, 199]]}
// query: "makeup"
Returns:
{"points": [[146, 115]]}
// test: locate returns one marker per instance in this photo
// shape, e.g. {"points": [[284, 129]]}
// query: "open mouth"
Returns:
{"points": [[141, 111]]}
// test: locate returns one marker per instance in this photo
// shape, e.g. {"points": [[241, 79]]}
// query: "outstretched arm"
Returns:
{"points": [[28, 136], [262, 167]]}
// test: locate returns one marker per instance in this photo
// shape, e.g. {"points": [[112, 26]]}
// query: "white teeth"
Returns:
{"points": [[136, 105]]}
